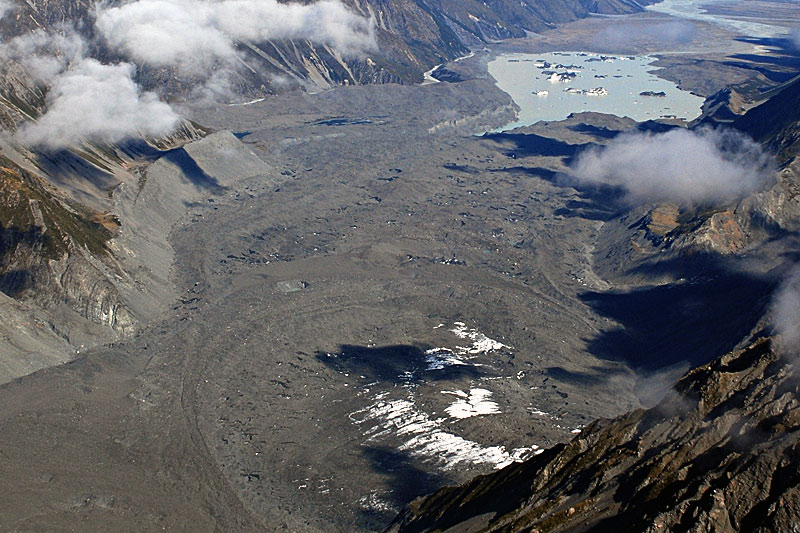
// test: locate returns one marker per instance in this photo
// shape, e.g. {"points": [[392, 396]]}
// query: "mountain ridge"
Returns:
{"points": [[412, 36]]}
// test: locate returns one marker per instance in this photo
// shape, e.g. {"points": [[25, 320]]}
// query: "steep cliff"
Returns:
{"points": [[53, 250], [776, 121]]}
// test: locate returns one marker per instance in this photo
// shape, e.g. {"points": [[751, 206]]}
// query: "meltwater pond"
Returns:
{"points": [[551, 86]]}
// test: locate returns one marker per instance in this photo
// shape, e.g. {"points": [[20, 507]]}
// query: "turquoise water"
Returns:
{"points": [[624, 78]]}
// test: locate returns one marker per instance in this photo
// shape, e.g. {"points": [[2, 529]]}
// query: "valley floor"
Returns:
{"points": [[391, 304]]}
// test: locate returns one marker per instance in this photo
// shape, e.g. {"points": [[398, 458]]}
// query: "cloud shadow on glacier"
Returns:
{"points": [[398, 363]]}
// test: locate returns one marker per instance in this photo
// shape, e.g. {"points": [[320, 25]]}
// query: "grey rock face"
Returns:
{"points": [[90, 282]]}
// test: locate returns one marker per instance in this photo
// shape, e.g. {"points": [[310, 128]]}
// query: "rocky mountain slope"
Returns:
{"points": [[776, 121], [689, 239], [773, 213], [83, 249], [411, 35], [720, 453]]}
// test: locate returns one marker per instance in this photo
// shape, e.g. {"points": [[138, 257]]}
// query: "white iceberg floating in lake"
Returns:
{"points": [[561, 77], [597, 91]]}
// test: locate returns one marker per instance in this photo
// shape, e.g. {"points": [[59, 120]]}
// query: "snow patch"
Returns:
{"points": [[477, 402], [375, 503], [424, 437], [534, 411], [441, 358], [481, 344], [251, 102]]}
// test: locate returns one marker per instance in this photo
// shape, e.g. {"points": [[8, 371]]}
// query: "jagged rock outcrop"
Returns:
{"points": [[722, 107], [720, 453]]}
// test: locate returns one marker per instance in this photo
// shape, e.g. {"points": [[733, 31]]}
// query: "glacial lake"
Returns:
{"points": [[618, 85]]}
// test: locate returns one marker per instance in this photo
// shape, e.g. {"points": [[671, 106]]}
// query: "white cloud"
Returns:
{"points": [[89, 100], [680, 166], [193, 35], [43, 54], [100, 103], [794, 36], [786, 313], [6, 7]]}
